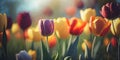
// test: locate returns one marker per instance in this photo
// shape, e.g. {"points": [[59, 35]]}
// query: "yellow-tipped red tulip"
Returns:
{"points": [[3, 22], [76, 26], [62, 27], [116, 27], [99, 26]]}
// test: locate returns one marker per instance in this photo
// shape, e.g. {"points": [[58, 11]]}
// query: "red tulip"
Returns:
{"points": [[77, 26], [114, 42], [110, 10], [24, 20]]}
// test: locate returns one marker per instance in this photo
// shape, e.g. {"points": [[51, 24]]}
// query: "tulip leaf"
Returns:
{"points": [[4, 44], [87, 53], [38, 54], [46, 55], [32, 45], [81, 57], [72, 51], [97, 47], [67, 58]]}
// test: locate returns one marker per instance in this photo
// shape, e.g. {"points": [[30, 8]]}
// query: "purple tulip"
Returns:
{"points": [[47, 27], [110, 10], [24, 20], [9, 22], [23, 55]]}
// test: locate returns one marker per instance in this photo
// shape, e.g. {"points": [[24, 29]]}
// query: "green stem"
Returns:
{"points": [[47, 44], [41, 51], [93, 45], [69, 42]]}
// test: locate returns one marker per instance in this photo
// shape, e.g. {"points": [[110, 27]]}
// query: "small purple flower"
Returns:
{"points": [[23, 55], [9, 22], [47, 27], [24, 20], [110, 10]]}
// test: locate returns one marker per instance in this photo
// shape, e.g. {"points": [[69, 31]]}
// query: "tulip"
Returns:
{"points": [[115, 28], [9, 22], [32, 53], [87, 13], [62, 31], [77, 26], [23, 55], [70, 11], [24, 20], [99, 26], [114, 42], [47, 27], [88, 43], [79, 3], [16, 31], [52, 40], [110, 10], [3, 22], [106, 41]]}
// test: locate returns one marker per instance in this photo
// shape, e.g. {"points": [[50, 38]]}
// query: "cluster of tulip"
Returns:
{"points": [[55, 35]]}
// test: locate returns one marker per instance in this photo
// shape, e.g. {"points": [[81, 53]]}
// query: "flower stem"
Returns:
{"points": [[93, 45], [41, 51], [69, 42], [116, 37], [47, 44]]}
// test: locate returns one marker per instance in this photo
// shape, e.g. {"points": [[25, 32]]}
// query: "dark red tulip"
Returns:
{"points": [[110, 10], [47, 27], [24, 20], [9, 22], [114, 42]]}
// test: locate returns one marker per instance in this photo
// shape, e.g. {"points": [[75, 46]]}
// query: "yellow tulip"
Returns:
{"points": [[88, 43], [3, 22], [62, 27], [15, 28], [116, 27], [32, 53], [87, 13]]}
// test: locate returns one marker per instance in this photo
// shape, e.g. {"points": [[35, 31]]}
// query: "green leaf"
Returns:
{"points": [[46, 55], [67, 58], [73, 50]]}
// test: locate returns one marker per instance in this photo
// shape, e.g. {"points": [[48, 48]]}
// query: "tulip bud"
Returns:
{"points": [[3, 22], [110, 10], [32, 53], [87, 13], [23, 55], [52, 41], [114, 42], [24, 20], [47, 27], [116, 25]]}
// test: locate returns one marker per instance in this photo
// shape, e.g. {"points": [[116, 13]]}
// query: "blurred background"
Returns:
{"points": [[48, 8]]}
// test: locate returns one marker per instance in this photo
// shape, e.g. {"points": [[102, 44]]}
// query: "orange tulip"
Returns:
{"points": [[99, 26], [106, 41], [52, 41], [77, 26]]}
